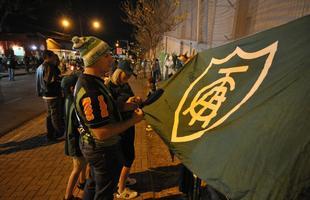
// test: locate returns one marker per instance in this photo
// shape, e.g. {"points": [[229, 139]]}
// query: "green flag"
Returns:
{"points": [[238, 115]]}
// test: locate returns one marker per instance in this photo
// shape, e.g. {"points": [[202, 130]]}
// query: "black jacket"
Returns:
{"points": [[51, 77]]}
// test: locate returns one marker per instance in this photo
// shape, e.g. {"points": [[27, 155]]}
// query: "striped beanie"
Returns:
{"points": [[90, 48]]}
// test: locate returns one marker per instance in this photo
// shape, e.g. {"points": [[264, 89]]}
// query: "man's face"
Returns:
{"points": [[105, 63]]}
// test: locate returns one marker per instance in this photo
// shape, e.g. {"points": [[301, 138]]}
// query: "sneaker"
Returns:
{"points": [[127, 194], [130, 181]]}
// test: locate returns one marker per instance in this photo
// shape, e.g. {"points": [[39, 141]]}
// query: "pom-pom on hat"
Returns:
{"points": [[90, 48]]}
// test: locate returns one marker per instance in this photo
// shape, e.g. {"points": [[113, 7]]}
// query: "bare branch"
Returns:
{"points": [[151, 19]]}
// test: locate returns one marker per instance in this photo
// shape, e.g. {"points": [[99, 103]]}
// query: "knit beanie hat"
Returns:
{"points": [[90, 48]]}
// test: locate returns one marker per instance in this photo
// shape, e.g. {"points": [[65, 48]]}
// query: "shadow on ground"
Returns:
{"points": [[27, 144], [157, 179]]}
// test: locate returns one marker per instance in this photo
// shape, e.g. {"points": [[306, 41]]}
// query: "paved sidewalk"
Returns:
{"points": [[30, 169]]}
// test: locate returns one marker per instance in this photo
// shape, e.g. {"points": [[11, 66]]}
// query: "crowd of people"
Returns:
{"points": [[95, 110], [164, 69], [10, 62]]}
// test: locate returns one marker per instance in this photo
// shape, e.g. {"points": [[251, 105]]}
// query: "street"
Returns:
{"points": [[18, 102], [32, 169]]}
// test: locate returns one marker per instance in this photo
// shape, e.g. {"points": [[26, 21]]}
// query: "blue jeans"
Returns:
{"points": [[106, 163], [11, 74]]}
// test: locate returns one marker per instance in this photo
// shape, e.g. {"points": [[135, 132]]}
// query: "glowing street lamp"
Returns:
{"points": [[65, 23], [34, 47], [96, 24]]}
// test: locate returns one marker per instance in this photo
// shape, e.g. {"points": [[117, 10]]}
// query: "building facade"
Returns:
{"points": [[211, 23]]}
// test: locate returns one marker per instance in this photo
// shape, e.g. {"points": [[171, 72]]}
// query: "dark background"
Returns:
{"points": [[44, 16]]}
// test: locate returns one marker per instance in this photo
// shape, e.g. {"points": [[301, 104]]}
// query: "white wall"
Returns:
{"points": [[216, 19]]}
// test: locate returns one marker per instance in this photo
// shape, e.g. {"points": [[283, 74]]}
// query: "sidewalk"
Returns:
{"points": [[32, 170]]}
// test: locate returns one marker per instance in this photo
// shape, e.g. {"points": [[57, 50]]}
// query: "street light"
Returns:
{"points": [[96, 24], [34, 47], [65, 23]]}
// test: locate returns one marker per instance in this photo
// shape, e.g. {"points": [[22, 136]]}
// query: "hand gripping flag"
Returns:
{"points": [[238, 115]]}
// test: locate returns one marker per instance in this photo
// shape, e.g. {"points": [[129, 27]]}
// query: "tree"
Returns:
{"points": [[151, 19]]}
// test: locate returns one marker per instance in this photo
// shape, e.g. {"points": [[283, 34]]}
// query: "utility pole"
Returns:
{"points": [[81, 28]]}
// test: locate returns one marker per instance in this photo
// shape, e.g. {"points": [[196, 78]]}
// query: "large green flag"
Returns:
{"points": [[238, 115]]}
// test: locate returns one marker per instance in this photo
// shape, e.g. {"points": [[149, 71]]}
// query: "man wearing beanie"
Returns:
{"points": [[100, 116]]}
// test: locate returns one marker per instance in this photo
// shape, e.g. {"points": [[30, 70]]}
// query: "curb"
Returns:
{"points": [[19, 74], [6, 131]]}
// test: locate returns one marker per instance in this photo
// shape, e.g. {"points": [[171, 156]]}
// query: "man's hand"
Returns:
{"points": [[132, 103], [138, 115], [135, 100]]}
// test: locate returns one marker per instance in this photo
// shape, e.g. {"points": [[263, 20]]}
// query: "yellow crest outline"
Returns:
{"points": [[271, 50]]}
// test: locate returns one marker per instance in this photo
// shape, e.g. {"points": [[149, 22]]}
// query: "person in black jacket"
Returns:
{"points": [[11, 61], [48, 81], [121, 91]]}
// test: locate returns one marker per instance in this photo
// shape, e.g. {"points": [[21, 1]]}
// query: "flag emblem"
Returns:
{"points": [[200, 104]]}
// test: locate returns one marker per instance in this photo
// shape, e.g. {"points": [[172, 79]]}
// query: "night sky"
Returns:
{"points": [[45, 17]]}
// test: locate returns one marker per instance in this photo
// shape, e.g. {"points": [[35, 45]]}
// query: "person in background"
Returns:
{"points": [[151, 85], [72, 134], [181, 61], [121, 91], [48, 87], [170, 68], [144, 66], [26, 63], [11, 62], [1, 63], [156, 70]]}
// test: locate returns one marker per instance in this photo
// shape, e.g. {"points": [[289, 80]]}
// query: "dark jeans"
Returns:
{"points": [[11, 74], [128, 146], [54, 118], [156, 75], [106, 163]]}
